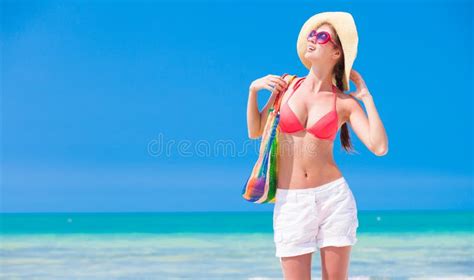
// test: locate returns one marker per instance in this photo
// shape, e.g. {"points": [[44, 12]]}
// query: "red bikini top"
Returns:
{"points": [[325, 128]]}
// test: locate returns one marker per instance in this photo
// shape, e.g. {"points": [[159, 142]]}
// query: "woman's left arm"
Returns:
{"points": [[368, 128]]}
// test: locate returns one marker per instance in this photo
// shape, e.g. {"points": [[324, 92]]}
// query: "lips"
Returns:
{"points": [[311, 48]]}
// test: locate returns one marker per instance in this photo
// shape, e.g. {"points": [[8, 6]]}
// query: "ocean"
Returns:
{"points": [[224, 245]]}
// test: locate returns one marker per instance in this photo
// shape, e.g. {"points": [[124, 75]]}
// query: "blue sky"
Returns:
{"points": [[91, 91]]}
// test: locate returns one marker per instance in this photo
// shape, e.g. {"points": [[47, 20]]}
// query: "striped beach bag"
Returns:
{"points": [[262, 183]]}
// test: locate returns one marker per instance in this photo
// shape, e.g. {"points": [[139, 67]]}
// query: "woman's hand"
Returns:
{"points": [[273, 83], [361, 92], [256, 120]]}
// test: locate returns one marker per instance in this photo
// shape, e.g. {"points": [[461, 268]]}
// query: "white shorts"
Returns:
{"points": [[311, 218]]}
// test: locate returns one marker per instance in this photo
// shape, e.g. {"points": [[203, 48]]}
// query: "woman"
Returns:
{"points": [[314, 206]]}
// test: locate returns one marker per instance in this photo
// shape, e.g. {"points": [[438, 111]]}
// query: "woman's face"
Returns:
{"points": [[323, 54]]}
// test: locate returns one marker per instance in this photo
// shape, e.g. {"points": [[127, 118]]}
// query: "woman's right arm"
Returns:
{"points": [[256, 119]]}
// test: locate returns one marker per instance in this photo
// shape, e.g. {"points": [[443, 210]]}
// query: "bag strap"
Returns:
{"points": [[276, 104]]}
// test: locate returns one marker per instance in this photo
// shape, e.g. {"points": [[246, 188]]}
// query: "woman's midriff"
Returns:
{"points": [[305, 161]]}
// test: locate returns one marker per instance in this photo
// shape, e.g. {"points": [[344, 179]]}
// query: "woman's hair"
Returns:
{"points": [[339, 72]]}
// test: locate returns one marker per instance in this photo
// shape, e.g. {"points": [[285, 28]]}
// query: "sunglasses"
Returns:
{"points": [[322, 37]]}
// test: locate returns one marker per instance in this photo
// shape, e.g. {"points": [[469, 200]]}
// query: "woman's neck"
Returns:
{"points": [[319, 80]]}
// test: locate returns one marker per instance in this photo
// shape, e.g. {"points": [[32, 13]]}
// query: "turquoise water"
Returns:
{"points": [[227, 245]]}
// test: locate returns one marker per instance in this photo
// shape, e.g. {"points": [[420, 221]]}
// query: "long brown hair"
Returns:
{"points": [[339, 72]]}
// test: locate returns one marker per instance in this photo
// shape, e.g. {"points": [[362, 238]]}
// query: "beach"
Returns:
{"points": [[222, 246]]}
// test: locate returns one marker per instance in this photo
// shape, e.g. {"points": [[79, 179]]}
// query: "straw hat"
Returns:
{"points": [[345, 28]]}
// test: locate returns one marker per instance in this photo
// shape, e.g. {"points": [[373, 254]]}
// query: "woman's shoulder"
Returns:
{"points": [[346, 101], [344, 96]]}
